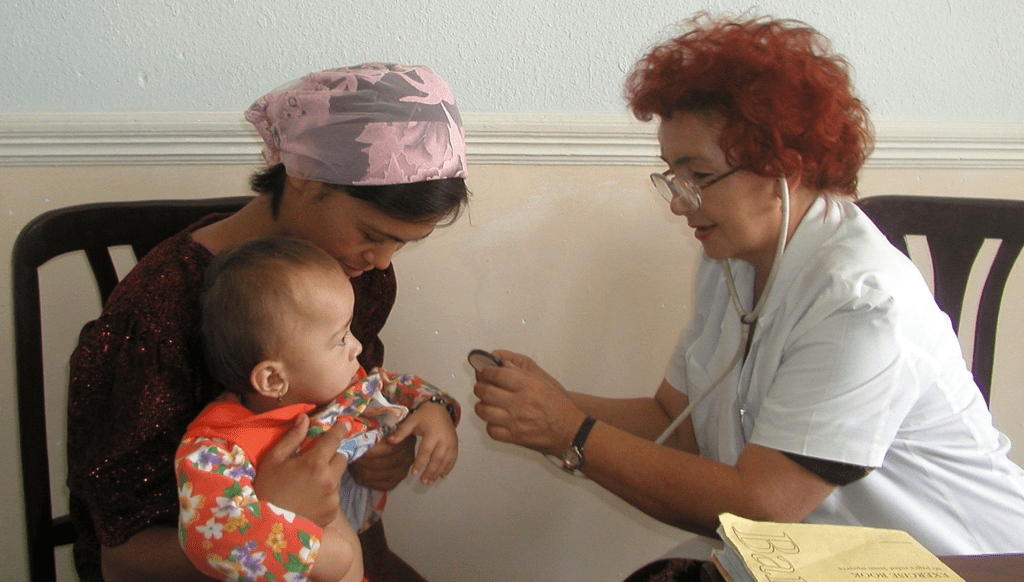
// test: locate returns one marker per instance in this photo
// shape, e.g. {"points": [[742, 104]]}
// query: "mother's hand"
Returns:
{"points": [[523, 405], [307, 484], [384, 466]]}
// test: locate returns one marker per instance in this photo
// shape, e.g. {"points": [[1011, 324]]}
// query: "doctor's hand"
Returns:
{"points": [[523, 405]]}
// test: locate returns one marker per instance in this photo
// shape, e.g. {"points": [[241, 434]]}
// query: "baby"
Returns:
{"points": [[276, 319]]}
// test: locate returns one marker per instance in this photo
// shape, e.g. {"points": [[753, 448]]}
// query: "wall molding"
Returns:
{"points": [[185, 138]]}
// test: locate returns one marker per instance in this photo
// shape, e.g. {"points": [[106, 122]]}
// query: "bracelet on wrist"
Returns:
{"points": [[436, 399]]}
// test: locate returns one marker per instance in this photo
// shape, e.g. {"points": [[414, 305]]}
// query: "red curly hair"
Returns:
{"points": [[786, 99]]}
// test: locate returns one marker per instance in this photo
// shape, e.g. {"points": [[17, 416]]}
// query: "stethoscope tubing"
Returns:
{"points": [[747, 318]]}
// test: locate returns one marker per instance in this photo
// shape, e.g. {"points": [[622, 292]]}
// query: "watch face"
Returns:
{"points": [[572, 459]]}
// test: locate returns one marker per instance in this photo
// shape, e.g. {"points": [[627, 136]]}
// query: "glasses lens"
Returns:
{"points": [[688, 192], [663, 186]]}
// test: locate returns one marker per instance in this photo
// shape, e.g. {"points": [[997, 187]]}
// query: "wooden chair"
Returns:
{"points": [[955, 229], [94, 229]]}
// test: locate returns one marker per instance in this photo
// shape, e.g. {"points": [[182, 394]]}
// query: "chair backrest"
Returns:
{"points": [[94, 229], [955, 229]]}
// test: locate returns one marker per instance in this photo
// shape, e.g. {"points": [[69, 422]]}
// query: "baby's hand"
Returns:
{"points": [[439, 447]]}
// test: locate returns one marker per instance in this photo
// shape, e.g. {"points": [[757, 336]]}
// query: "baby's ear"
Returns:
{"points": [[268, 379]]}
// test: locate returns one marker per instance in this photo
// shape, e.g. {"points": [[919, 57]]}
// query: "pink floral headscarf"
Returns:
{"points": [[371, 124]]}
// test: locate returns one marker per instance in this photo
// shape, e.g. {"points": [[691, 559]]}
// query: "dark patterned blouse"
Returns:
{"points": [[138, 377]]}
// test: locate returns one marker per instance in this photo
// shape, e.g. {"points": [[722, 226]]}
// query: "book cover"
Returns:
{"points": [[794, 552]]}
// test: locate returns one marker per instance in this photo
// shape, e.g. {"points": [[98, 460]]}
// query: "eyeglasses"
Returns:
{"points": [[671, 186]]}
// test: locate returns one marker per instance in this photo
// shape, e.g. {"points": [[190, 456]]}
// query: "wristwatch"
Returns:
{"points": [[572, 458]]}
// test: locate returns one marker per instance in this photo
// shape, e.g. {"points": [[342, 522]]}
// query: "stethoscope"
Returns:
{"points": [[747, 318], [480, 359]]}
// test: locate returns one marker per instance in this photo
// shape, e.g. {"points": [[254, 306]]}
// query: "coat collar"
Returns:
{"points": [[816, 227]]}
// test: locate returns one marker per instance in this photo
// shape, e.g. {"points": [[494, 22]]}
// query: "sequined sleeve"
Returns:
{"points": [[137, 380]]}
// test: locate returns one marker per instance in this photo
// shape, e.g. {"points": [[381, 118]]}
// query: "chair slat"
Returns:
{"points": [[952, 258], [92, 228], [103, 271], [988, 311], [955, 229]]}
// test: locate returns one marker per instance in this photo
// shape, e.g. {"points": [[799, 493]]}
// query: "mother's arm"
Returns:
{"points": [[153, 554], [523, 405]]}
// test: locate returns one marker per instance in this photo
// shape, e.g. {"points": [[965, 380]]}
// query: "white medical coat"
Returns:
{"points": [[853, 361]]}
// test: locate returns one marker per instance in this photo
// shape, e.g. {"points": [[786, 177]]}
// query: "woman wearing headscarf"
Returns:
{"points": [[817, 381], [361, 160]]}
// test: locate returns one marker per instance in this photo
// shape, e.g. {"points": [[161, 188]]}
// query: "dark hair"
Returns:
{"points": [[416, 202], [786, 99], [247, 299]]}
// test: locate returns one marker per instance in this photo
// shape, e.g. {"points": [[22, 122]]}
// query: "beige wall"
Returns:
{"points": [[580, 267]]}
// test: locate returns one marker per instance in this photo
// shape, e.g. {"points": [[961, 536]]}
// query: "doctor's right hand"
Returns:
{"points": [[524, 405]]}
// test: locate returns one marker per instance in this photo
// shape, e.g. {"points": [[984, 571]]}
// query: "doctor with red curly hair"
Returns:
{"points": [[818, 380]]}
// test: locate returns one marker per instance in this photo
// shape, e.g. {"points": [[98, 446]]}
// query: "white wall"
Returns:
{"points": [[914, 59]]}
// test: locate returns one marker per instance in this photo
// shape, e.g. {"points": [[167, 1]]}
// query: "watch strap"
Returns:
{"points": [[572, 458], [581, 435]]}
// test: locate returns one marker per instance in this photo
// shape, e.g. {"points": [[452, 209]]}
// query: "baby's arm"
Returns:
{"points": [[439, 445], [340, 558], [434, 417]]}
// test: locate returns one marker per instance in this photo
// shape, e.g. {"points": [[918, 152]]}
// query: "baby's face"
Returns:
{"points": [[320, 354]]}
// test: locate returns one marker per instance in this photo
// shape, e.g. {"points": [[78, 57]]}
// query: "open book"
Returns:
{"points": [[793, 552]]}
